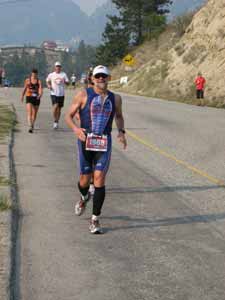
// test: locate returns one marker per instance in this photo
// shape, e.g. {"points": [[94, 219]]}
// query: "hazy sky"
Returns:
{"points": [[89, 5]]}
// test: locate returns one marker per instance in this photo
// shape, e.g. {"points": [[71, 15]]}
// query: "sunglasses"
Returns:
{"points": [[101, 75]]}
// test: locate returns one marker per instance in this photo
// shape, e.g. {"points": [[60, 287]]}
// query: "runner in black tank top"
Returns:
{"points": [[33, 91]]}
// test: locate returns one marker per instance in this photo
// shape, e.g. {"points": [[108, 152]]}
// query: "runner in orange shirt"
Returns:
{"points": [[33, 91]]}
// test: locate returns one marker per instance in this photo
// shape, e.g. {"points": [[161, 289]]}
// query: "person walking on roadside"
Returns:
{"points": [[33, 91], [56, 82], [200, 86], [73, 80], [97, 107]]}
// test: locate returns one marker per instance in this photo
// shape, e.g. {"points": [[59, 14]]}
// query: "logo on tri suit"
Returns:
{"points": [[100, 114]]}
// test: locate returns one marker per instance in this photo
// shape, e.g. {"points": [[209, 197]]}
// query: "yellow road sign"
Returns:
{"points": [[129, 60]]}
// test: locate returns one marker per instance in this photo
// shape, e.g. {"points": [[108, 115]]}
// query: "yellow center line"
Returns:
{"points": [[178, 161]]}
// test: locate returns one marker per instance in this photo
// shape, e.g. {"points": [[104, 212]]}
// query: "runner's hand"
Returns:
{"points": [[21, 99], [122, 139], [80, 133]]}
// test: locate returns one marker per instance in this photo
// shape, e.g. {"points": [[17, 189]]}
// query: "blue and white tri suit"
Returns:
{"points": [[97, 118]]}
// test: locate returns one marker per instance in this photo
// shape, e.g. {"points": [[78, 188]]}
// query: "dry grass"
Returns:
{"points": [[4, 181], [7, 121], [150, 51], [4, 203], [181, 23]]}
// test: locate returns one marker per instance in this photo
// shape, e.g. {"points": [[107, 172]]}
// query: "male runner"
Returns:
{"points": [[73, 80], [97, 108], [56, 83]]}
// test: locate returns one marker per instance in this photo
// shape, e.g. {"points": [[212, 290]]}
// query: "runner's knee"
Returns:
{"points": [[85, 180], [99, 179]]}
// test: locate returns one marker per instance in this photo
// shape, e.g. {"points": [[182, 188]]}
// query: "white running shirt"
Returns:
{"points": [[58, 83]]}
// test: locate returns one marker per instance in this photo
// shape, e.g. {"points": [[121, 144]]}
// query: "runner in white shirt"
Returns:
{"points": [[73, 80], [56, 83]]}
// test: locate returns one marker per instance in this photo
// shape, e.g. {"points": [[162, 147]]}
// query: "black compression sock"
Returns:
{"points": [[83, 191], [98, 200]]}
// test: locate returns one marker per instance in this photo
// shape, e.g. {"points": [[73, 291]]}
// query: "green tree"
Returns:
{"points": [[137, 20], [135, 12], [40, 62], [85, 57], [153, 25], [18, 67], [115, 42], [68, 60]]}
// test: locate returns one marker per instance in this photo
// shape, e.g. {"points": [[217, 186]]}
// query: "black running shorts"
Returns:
{"points": [[57, 100], [33, 100]]}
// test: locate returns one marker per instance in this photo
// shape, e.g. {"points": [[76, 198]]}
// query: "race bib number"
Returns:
{"points": [[34, 95], [96, 143]]}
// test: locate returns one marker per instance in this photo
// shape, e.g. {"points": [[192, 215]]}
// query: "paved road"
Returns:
{"points": [[164, 215]]}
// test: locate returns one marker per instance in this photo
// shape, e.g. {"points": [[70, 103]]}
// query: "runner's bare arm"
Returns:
{"points": [[49, 83], [40, 90], [78, 103], [66, 80], [120, 121], [24, 90]]}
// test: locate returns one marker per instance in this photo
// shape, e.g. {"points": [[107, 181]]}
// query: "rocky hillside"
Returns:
{"points": [[171, 64]]}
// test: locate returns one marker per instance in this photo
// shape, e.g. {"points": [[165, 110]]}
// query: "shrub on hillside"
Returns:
{"points": [[181, 23]]}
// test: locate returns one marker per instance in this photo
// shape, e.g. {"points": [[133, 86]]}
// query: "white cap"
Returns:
{"points": [[58, 64], [101, 70]]}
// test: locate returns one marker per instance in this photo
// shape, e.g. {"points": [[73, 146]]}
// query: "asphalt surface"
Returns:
{"points": [[163, 218]]}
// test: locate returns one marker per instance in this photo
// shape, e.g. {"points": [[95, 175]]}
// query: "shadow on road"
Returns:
{"points": [[137, 223], [164, 189]]}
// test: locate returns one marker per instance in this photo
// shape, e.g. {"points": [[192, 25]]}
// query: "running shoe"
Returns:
{"points": [[55, 125], [81, 205], [92, 189], [95, 227], [30, 130]]}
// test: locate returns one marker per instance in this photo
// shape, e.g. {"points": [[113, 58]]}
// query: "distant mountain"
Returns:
{"points": [[35, 21], [99, 18], [89, 6], [31, 22]]}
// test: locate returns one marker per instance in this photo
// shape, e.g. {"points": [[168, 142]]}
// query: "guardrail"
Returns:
{"points": [[121, 81]]}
